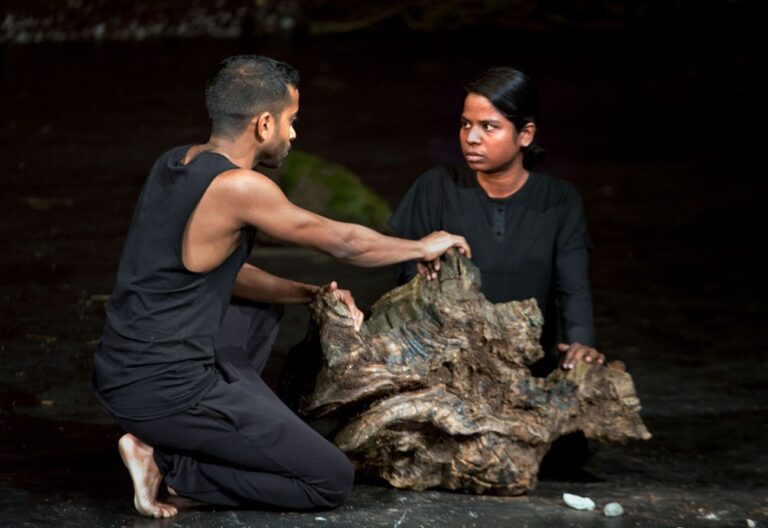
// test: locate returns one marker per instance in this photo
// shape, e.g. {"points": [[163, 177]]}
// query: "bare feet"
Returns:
{"points": [[146, 477]]}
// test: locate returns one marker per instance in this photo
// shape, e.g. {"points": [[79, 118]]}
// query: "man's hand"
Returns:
{"points": [[435, 244], [578, 352], [344, 296]]}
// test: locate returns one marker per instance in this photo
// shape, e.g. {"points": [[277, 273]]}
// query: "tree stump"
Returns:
{"points": [[435, 390]]}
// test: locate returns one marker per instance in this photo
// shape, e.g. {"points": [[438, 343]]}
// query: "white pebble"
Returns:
{"points": [[613, 509], [751, 523], [321, 519], [578, 503]]}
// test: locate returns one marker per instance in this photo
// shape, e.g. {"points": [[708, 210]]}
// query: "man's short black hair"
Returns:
{"points": [[244, 86]]}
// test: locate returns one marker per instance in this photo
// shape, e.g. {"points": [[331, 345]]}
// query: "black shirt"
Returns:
{"points": [[532, 244], [156, 354]]}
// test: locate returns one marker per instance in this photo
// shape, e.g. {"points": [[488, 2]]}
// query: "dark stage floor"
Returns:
{"points": [[659, 144]]}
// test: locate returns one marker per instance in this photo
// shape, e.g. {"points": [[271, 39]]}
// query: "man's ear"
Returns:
{"points": [[263, 126], [527, 133]]}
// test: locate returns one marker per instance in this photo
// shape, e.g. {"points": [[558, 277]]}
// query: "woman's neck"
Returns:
{"points": [[503, 184]]}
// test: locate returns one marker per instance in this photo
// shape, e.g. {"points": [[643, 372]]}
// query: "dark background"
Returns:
{"points": [[652, 109]]}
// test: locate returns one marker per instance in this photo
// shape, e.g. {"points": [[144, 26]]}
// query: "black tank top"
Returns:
{"points": [[156, 355]]}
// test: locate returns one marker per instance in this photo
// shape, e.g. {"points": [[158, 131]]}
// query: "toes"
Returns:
{"points": [[161, 513], [158, 510], [167, 510]]}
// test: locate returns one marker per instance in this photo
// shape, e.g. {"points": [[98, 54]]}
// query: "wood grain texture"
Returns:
{"points": [[435, 390]]}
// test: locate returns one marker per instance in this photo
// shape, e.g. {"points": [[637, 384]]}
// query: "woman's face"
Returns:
{"points": [[489, 141]]}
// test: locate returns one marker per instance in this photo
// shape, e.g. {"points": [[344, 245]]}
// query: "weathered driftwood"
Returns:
{"points": [[434, 390]]}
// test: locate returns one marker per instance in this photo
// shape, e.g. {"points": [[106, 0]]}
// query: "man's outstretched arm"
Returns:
{"points": [[259, 202]]}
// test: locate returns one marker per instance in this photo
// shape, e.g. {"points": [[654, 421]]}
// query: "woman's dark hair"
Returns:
{"points": [[244, 86], [513, 94]]}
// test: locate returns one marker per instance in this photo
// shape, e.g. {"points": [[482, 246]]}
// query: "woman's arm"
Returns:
{"points": [[573, 287], [576, 310], [575, 295]]}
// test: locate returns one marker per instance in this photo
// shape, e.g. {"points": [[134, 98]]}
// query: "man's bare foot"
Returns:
{"points": [[146, 477]]}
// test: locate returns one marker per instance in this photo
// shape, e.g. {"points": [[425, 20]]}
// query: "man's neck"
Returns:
{"points": [[503, 184], [238, 151]]}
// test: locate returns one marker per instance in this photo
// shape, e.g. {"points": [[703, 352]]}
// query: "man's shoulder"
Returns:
{"points": [[242, 185], [173, 154]]}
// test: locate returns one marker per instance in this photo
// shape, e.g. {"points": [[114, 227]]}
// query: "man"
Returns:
{"points": [[177, 365]]}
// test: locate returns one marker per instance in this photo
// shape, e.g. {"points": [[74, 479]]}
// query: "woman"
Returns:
{"points": [[527, 230]]}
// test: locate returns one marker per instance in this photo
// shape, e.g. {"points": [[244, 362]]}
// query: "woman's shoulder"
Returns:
{"points": [[554, 190], [442, 176]]}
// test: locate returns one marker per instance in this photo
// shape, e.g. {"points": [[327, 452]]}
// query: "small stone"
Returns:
{"points": [[578, 503], [613, 509], [751, 523], [99, 31], [321, 519]]}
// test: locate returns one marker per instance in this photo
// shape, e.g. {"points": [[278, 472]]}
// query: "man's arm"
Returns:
{"points": [[257, 285], [259, 202]]}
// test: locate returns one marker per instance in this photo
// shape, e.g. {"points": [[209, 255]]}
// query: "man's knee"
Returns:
{"points": [[337, 482]]}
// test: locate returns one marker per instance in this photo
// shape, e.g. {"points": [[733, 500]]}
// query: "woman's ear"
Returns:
{"points": [[527, 133]]}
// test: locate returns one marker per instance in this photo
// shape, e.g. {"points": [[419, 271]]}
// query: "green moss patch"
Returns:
{"points": [[331, 190]]}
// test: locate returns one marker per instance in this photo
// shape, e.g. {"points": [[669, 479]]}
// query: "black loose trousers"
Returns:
{"points": [[240, 445]]}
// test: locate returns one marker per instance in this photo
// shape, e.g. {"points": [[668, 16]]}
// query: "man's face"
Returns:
{"points": [[275, 151], [489, 141]]}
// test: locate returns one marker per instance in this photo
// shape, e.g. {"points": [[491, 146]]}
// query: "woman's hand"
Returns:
{"points": [[428, 269], [344, 296], [578, 352]]}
